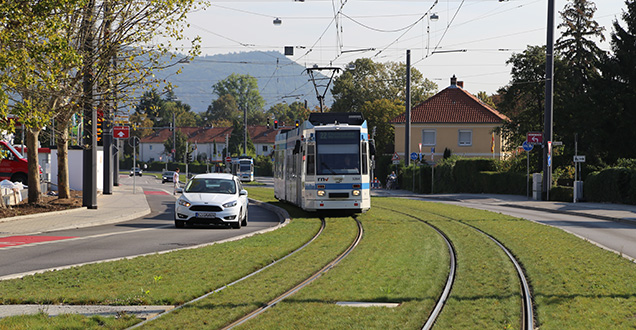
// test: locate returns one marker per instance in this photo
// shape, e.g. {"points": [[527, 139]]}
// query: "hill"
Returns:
{"points": [[279, 79]]}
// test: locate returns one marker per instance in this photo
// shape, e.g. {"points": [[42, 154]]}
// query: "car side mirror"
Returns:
{"points": [[179, 190], [243, 192]]}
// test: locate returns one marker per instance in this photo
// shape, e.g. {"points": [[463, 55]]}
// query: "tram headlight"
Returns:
{"points": [[356, 193], [321, 193]]}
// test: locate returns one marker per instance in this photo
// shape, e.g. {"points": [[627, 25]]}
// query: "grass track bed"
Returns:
{"points": [[485, 294], [230, 304], [398, 260]]}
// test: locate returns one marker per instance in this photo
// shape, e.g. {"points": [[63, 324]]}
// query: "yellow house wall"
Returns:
{"points": [[447, 136]]}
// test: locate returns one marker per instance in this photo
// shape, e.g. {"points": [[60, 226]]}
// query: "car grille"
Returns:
{"points": [[338, 195], [212, 208]]}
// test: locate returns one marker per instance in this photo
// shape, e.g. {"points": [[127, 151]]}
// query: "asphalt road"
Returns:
{"points": [[152, 233], [617, 236]]}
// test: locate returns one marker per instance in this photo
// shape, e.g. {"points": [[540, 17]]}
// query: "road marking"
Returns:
{"points": [[155, 192], [24, 240]]}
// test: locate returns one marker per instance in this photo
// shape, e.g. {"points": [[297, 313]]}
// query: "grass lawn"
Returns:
{"points": [[575, 284]]}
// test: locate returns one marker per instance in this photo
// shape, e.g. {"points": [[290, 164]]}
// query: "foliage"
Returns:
{"points": [[236, 141], [263, 166], [180, 145], [378, 114], [288, 114], [615, 184], [367, 81], [244, 89], [223, 111]]}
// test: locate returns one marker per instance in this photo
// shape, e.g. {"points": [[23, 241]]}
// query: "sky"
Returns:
{"points": [[471, 39]]}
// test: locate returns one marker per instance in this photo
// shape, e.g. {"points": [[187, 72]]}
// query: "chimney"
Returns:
{"points": [[453, 81], [460, 84]]}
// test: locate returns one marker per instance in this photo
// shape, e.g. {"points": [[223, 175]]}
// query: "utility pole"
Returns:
{"points": [[549, 89], [89, 177], [407, 117], [174, 138]]}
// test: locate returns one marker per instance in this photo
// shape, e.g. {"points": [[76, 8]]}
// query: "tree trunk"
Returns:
{"points": [[34, 168], [63, 186]]}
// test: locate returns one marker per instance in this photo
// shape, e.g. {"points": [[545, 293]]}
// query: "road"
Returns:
{"points": [[149, 234], [616, 236]]}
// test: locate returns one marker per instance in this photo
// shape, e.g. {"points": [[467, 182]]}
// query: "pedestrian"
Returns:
{"points": [[175, 180]]}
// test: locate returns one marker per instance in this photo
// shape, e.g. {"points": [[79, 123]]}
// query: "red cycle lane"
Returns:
{"points": [[23, 240]]}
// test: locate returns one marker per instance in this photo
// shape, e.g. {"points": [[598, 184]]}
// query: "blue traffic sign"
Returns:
{"points": [[414, 156], [527, 146]]}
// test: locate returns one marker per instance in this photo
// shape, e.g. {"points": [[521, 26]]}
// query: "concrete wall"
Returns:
{"points": [[75, 169]]}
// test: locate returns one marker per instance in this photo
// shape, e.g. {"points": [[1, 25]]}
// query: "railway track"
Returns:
{"points": [[527, 313], [304, 283], [322, 227]]}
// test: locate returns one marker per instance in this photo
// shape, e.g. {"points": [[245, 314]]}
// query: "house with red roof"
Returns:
{"points": [[209, 141], [452, 119]]}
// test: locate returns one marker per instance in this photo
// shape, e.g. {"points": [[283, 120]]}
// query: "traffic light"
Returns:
{"points": [[297, 123], [275, 123], [267, 123], [189, 157]]}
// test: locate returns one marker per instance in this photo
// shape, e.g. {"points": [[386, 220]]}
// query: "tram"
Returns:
{"points": [[243, 168], [325, 164]]}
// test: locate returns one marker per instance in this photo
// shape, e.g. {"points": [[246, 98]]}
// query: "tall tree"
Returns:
{"points": [[244, 89], [378, 113], [223, 111], [366, 80], [620, 84], [289, 113]]}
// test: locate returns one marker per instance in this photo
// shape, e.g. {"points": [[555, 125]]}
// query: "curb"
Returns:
{"points": [[42, 214]]}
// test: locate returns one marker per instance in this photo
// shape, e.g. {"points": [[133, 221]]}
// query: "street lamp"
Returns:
{"points": [[277, 21]]}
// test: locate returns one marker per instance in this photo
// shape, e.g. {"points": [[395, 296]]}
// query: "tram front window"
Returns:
{"points": [[338, 159], [245, 167]]}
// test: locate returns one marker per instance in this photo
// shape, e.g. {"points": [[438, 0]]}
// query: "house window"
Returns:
{"points": [[150, 147], [465, 137], [429, 137], [264, 148]]}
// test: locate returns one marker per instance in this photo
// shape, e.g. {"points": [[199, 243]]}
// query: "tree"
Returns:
{"points": [[236, 141], [223, 111], [619, 94], [244, 89], [378, 113], [369, 81], [180, 145], [289, 113], [35, 60]]}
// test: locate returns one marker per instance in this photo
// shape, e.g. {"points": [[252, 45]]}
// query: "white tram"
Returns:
{"points": [[325, 164], [243, 167]]}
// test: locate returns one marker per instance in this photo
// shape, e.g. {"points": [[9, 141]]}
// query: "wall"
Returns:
{"points": [[75, 168], [447, 136]]}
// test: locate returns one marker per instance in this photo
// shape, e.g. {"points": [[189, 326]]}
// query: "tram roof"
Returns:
{"points": [[324, 118]]}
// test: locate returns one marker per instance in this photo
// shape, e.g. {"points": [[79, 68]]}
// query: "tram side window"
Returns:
{"points": [[311, 159], [364, 158]]}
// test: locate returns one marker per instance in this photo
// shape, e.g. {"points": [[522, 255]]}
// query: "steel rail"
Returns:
{"points": [[451, 273], [304, 283], [322, 227], [527, 312]]}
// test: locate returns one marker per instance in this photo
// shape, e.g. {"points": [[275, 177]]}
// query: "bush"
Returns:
{"points": [[611, 185], [561, 194]]}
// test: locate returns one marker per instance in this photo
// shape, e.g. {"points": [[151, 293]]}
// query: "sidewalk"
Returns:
{"points": [[605, 211], [122, 205]]}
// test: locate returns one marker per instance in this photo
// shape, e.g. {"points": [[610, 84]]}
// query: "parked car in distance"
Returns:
{"points": [[212, 199], [167, 176], [136, 171]]}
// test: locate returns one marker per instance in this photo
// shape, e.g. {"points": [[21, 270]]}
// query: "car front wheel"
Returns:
{"points": [[244, 222]]}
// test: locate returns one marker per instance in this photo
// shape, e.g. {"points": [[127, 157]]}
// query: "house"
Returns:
{"points": [[209, 141], [452, 119]]}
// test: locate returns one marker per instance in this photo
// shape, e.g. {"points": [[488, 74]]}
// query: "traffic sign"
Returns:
{"points": [[121, 132], [228, 159], [534, 137], [527, 146], [579, 159], [413, 156], [395, 156], [134, 141]]}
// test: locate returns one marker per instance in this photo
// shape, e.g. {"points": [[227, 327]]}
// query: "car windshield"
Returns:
{"points": [[168, 173], [215, 186]]}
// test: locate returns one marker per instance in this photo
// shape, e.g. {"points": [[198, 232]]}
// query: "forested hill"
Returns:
{"points": [[279, 79]]}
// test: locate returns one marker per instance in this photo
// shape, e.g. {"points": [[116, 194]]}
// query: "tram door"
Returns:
{"points": [[300, 176]]}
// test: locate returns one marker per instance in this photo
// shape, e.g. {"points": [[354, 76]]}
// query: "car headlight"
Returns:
{"points": [[356, 193], [184, 203], [321, 193], [230, 204]]}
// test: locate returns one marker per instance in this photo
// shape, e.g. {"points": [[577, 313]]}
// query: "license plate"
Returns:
{"points": [[205, 215]]}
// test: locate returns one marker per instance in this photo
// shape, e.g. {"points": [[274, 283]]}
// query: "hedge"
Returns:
{"points": [[615, 185]]}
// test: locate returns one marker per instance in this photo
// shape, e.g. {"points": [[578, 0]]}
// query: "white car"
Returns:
{"points": [[213, 198]]}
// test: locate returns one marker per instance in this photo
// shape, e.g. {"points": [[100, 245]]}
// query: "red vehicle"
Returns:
{"points": [[13, 165]]}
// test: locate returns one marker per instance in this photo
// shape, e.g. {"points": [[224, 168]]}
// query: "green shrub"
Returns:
{"points": [[611, 185], [561, 194]]}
